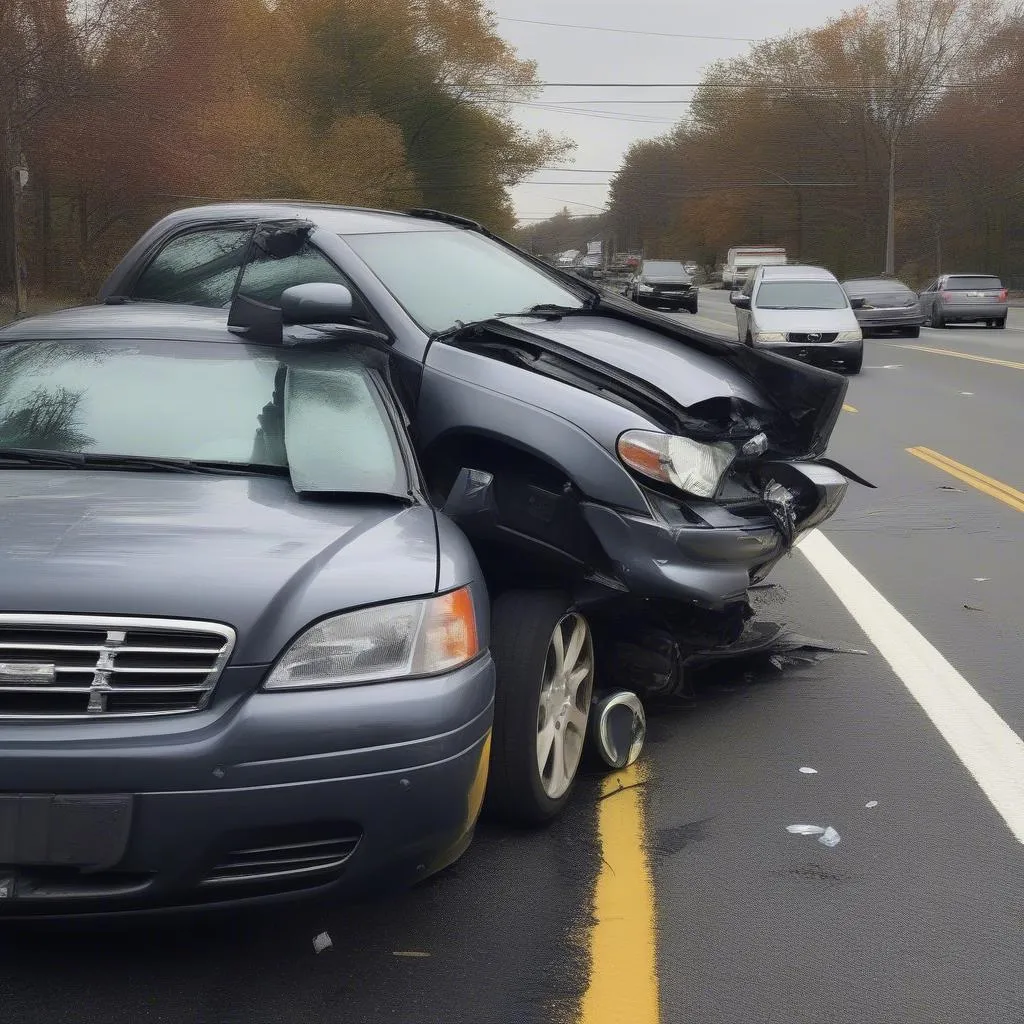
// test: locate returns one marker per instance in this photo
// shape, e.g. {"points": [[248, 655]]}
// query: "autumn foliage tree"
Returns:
{"points": [[124, 109], [905, 110]]}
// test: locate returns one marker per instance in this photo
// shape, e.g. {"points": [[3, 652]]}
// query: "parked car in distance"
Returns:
{"points": [[664, 284], [801, 312], [623, 479], [243, 656], [965, 299], [887, 305]]}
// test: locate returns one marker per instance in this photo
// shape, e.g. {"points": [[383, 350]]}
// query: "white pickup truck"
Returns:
{"points": [[743, 260]]}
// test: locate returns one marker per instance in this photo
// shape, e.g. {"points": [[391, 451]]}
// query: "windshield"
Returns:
{"points": [[800, 295], [665, 268], [965, 284], [314, 415], [442, 277]]}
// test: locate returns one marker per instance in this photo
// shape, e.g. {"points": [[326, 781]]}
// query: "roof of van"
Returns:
{"points": [[796, 274]]}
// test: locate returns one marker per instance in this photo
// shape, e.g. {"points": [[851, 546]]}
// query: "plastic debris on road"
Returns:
{"points": [[805, 830], [322, 942], [808, 771], [830, 837], [871, 803], [982, 579]]}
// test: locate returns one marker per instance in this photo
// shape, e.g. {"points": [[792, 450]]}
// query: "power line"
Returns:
{"points": [[628, 31], [762, 85]]}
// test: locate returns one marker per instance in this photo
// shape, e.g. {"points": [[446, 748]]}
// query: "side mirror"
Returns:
{"points": [[857, 303], [739, 300], [316, 304], [472, 494]]}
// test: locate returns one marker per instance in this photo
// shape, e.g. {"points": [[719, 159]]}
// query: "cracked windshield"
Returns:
{"points": [[512, 511]]}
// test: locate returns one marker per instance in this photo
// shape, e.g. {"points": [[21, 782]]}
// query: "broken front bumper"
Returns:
{"points": [[713, 563]]}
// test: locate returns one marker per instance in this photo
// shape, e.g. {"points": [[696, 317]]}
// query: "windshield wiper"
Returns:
{"points": [[86, 460], [548, 310]]}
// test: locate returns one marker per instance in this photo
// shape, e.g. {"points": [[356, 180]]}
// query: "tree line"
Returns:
{"points": [[113, 112], [889, 139]]}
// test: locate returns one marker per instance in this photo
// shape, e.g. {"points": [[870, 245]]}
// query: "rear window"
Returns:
{"points": [[875, 287], [973, 284]]}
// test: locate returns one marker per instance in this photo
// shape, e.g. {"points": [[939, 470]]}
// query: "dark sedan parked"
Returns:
{"points": [[663, 283], [623, 480], [886, 306], [965, 299], [243, 657]]}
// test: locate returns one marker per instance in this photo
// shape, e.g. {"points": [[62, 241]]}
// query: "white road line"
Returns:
{"points": [[990, 750]]}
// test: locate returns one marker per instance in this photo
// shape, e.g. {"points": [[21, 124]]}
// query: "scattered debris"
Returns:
{"points": [[322, 942], [805, 830], [982, 579], [830, 837], [808, 771], [411, 953], [950, 487], [973, 608], [969, 394], [871, 803]]}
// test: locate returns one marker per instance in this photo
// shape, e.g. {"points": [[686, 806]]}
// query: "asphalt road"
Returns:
{"points": [[916, 916]]}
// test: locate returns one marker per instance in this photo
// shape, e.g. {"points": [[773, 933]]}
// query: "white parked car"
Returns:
{"points": [[802, 312]]}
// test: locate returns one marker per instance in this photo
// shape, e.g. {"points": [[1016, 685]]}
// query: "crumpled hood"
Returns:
{"points": [[805, 321], [243, 551]]}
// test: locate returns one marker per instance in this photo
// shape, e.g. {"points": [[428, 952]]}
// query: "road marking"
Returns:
{"points": [[988, 748], [848, 408], [623, 986], [986, 484], [962, 355]]}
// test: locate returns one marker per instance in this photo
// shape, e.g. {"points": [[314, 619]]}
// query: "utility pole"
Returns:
{"points": [[17, 178], [890, 231]]}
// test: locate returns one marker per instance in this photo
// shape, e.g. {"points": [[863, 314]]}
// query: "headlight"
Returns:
{"points": [[769, 336], [646, 287], [391, 641], [689, 465], [850, 336]]}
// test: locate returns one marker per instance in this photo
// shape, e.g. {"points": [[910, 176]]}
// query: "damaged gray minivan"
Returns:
{"points": [[624, 479]]}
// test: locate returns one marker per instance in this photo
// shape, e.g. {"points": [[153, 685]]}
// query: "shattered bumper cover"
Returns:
{"points": [[712, 564]]}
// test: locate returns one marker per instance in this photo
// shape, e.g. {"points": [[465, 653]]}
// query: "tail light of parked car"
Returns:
{"points": [[1004, 295], [946, 296]]}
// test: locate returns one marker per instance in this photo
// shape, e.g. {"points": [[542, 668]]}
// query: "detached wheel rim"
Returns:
{"points": [[564, 708]]}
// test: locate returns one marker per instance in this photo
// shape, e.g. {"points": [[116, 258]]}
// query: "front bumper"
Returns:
{"points": [[890, 319], [711, 565], [825, 355], [341, 791]]}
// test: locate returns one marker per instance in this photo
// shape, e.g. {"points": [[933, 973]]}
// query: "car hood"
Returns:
{"points": [[805, 321], [247, 552], [689, 368], [662, 279]]}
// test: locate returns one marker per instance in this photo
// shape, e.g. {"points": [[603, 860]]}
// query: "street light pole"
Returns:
{"points": [[890, 232], [17, 176]]}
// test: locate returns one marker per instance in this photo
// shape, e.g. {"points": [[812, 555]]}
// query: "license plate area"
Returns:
{"points": [[54, 830]]}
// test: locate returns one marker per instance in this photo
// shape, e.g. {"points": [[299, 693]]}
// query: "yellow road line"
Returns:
{"points": [[962, 355], [623, 986], [848, 408], [986, 484]]}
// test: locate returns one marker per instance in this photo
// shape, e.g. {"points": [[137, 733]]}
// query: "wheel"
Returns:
{"points": [[912, 332], [937, 322], [853, 365], [1001, 324], [749, 339], [544, 655], [692, 308]]}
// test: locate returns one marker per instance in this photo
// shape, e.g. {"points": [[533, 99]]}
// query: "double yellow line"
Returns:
{"points": [[987, 485]]}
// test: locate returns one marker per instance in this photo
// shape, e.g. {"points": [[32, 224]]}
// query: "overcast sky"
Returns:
{"points": [[577, 55]]}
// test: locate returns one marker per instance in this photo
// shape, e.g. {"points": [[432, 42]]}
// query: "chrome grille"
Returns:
{"points": [[84, 666]]}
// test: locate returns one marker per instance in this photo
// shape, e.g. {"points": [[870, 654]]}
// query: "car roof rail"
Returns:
{"points": [[446, 218]]}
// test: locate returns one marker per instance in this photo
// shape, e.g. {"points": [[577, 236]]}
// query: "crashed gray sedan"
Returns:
{"points": [[624, 479], [242, 657]]}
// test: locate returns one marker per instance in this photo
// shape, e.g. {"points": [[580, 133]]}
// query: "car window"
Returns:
{"points": [[443, 277], [664, 268], [266, 277], [881, 286], [199, 268], [317, 414], [961, 284], [801, 295]]}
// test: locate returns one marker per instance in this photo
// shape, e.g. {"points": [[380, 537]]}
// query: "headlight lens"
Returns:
{"points": [[391, 641], [850, 336], [769, 336], [689, 465]]}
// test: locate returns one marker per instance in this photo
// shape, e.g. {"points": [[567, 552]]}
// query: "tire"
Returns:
{"points": [[912, 332], [749, 340], [937, 322], [525, 623], [692, 308], [1001, 324]]}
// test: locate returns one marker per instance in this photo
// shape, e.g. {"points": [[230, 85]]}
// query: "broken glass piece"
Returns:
{"points": [[808, 771], [805, 830], [830, 837]]}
